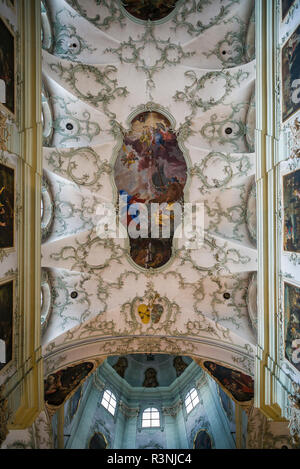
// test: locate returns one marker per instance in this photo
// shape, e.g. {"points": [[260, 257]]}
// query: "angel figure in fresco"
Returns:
{"points": [[129, 158], [130, 199]]}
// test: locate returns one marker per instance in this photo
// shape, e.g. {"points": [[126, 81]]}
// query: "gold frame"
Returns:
{"points": [[197, 433], [13, 247], [99, 433], [287, 281], [284, 121], [4, 281], [5, 109]]}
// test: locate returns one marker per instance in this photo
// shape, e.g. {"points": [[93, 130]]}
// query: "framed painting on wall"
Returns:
{"points": [[7, 206], [291, 211], [292, 324], [7, 68], [290, 75], [239, 386], [7, 289], [285, 7], [60, 386]]}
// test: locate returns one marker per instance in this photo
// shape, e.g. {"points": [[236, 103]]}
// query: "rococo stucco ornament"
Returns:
{"points": [[4, 415], [294, 424]]}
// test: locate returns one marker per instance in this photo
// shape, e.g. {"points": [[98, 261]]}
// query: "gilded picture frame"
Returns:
{"points": [[291, 212], [291, 330], [290, 58]]}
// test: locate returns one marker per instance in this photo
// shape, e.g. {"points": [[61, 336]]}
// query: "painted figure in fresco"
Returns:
{"points": [[241, 386], [291, 202], [156, 174], [60, 384], [149, 9], [121, 366], [126, 215], [179, 365], [7, 188], [290, 73], [150, 380], [292, 324]]}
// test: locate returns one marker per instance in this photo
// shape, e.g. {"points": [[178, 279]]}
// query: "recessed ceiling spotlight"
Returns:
{"points": [[74, 294]]}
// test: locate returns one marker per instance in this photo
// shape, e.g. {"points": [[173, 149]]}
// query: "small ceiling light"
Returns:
{"points": [[69, 126], [74, 294], [226, 296], [228, 130]]}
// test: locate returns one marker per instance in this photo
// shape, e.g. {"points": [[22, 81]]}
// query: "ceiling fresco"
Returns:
{"points": [[153, 111], [150, 168], [149, 9]]}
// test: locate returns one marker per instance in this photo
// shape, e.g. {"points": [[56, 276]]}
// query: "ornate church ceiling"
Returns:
{"points": [[110, 77]]}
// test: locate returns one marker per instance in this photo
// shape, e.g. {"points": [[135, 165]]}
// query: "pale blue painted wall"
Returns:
{"points": [[177, 431]]}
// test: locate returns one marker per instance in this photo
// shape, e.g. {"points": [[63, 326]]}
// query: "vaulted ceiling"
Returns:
{"points": [[101, 68]]}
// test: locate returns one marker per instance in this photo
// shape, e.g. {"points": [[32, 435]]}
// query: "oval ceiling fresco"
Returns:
{"points": [[149, 9], [150, 174]]}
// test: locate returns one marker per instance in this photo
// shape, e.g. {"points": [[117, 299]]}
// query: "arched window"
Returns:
{"points": [[150, 418], [109, 401], [191, 400]]}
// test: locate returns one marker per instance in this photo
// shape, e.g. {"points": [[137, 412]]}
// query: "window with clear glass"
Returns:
{"points": [[150, 418], [109, 401], [191, 400]]}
